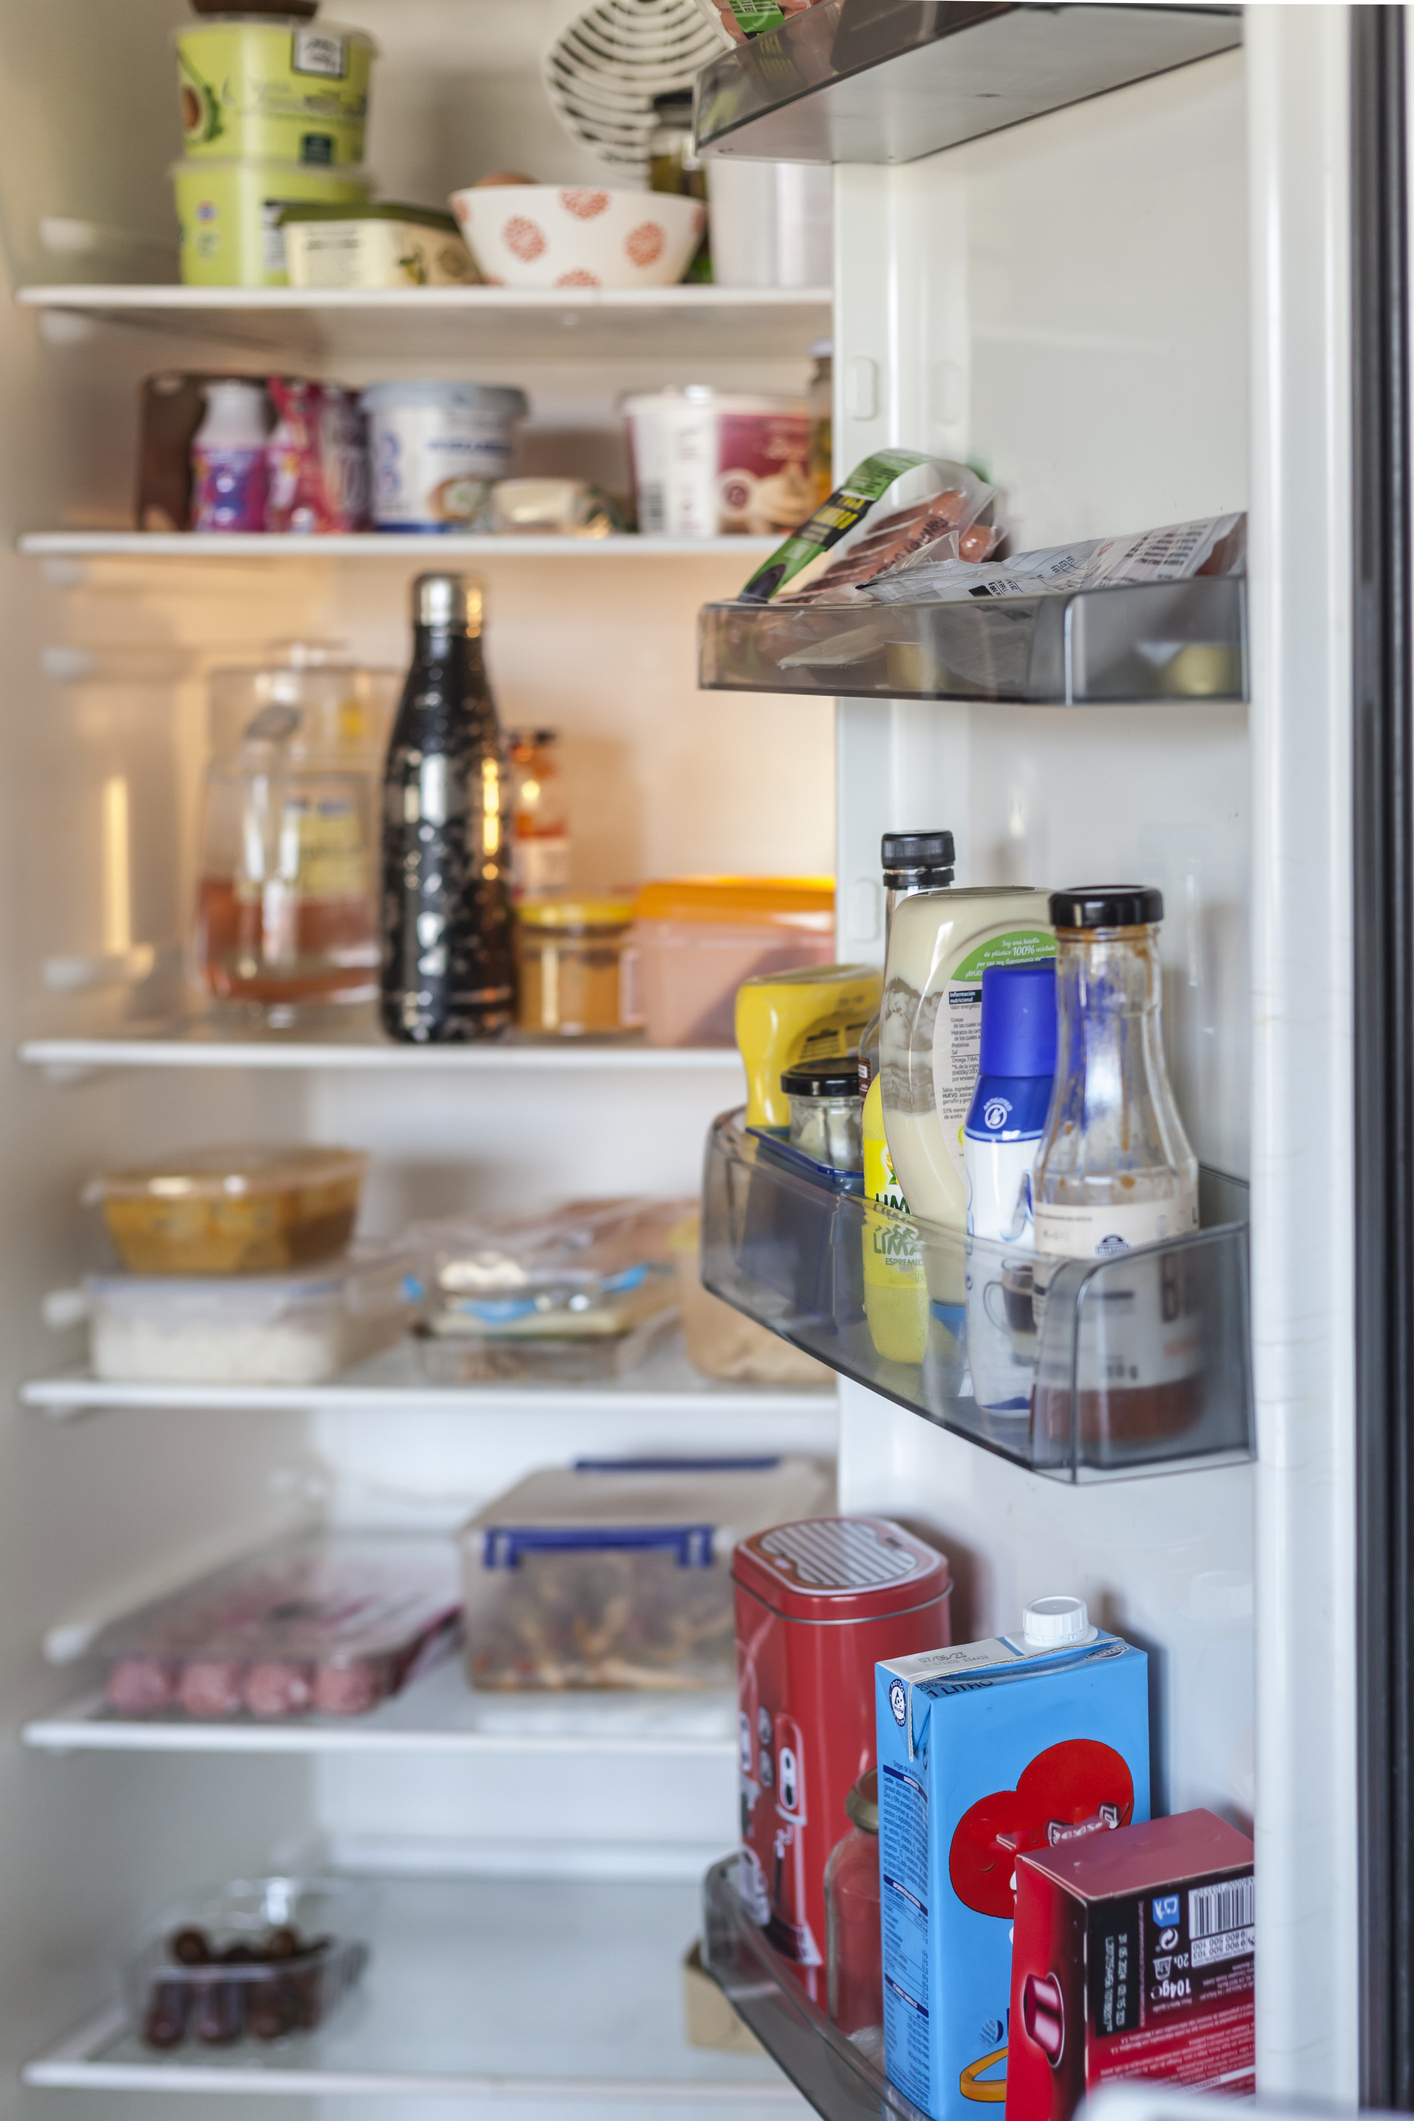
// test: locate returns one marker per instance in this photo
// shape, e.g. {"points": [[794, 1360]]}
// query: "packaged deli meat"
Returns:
{"points": [[896, 505], [1177, 552], [324, 1624]]}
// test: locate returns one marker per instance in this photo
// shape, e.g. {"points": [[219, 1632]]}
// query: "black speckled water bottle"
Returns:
{"points": [[448, 969]]}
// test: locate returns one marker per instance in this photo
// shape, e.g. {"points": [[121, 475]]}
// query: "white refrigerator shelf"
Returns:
{"points": [[490, 1988], [459, 323], [664, 1385], [374, 545], [439, 1713], [200, 1044]]}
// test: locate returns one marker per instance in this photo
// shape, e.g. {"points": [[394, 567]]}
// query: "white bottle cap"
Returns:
{"points": [[1056, 1623]]}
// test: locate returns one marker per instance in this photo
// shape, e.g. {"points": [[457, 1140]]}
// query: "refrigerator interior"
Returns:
{"points": [[1092, 358]]}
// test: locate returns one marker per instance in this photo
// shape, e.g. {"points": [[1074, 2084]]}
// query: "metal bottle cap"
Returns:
{"points": [[448, 601]]}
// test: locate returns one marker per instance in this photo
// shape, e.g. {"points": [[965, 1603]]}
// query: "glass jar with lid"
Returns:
{"points": [[576, 969], [853, 1943], [826, 1112], [286, 909], [674, 167]]}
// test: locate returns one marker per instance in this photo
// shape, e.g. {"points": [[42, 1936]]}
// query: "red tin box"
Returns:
{"points": [[1132, 1958], [818, 1603]]}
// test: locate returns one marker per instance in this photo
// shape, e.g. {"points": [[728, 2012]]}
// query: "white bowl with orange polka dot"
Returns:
{"points": [[578, 235]]}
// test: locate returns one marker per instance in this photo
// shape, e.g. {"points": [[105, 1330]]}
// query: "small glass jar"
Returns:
{"points": [[540, 837], [821, 394], [853, 1945], [826, 1113], [575, 969], [673, 166]]}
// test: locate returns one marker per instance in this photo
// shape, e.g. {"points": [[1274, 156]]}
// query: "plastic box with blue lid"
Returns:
{"points": [[616, 1572], [987, 1749]]}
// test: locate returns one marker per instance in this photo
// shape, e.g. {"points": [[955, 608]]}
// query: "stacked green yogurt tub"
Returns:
{"points": [[273, 111]]}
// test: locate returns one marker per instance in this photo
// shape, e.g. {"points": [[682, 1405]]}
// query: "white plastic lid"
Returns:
{"points": [[1056, 1623]]}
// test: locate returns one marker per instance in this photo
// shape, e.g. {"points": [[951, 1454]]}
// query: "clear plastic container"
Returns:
{"points": [[617, 1572], [854, 1957], [578, 1294], [329, 1624], [699, 937], [232, 1210], [721, 1342], [258, 1329], [259, 1959], [576, 975]]}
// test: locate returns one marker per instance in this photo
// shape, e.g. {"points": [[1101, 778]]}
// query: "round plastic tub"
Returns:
{"points": [[436, 448], [229, 215], [232, 1211], [259, 88]]}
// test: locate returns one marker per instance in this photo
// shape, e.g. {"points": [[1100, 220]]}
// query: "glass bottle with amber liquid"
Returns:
{"points": [[447, 970]]}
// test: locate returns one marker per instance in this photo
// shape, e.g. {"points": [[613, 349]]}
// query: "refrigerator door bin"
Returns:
{"points": [[838, 2079], [891, 80], [1151, 641], [1137, 1363]]}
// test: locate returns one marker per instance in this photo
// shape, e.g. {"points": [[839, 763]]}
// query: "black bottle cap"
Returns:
{"points": [[917, 850], [837, 1080], [1107, 906]]}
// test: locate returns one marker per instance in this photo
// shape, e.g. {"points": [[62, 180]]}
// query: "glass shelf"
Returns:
{"points": [[1152, 641], [839, 2080], [1139, 1363], [890, 80]]}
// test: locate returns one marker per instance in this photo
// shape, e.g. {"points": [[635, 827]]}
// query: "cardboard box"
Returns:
{"points": [[984, 1751], [1133, 1958]]}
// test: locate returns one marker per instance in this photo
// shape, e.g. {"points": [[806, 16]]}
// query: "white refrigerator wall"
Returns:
{"points": [[1065, 305]]}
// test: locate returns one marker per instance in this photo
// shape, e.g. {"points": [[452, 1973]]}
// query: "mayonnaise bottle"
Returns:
{"points": [[930, 1039]]}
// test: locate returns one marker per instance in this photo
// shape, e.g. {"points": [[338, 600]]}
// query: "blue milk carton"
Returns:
{"points": [[987, 1749]]}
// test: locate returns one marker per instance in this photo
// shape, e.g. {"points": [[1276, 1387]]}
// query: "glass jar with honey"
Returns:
{"points": [[576, 969]]}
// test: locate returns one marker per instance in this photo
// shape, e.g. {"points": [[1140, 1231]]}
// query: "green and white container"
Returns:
{"points": [[229, 214], [262, 86]]}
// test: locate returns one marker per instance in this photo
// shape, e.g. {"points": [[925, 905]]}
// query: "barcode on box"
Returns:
{"points": [[1215, 1908]]}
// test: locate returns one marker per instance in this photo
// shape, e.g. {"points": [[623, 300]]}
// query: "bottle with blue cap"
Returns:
{"points": [[1004, 1128]]}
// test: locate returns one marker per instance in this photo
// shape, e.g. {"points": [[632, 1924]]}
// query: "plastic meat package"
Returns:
{"points": [[742, 19], [1209, 545], [259, 1959], [325, 1624], [894, 508], [580, 1292], [617, 1572]]}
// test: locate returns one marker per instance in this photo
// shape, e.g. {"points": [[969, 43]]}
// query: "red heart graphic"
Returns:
{"points": [[1078, 1787]]}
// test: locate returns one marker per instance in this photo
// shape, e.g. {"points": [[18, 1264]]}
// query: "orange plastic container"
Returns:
{"points": [[698, 937]]}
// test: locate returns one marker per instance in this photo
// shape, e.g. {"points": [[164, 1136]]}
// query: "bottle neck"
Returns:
{"points": [[437, 644], [900, 884]]}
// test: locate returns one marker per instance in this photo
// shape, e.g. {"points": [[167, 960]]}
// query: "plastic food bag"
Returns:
{"points": [[932, 507], [1210, 545]]}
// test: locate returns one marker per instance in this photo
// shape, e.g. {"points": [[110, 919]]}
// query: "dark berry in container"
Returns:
{"points": [[168, 2009]]}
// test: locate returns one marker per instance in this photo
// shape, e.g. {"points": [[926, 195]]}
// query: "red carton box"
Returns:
{"points": [[1132, 1957]]}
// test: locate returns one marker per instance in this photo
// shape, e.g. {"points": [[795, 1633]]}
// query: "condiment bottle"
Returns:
{"points": [[1001, 1135], [854, 1958], [447, 972], [940, 945], [1115, 1171], [895, 1290], [540, 843], [674, 167], [228, 454], [821, 394]]}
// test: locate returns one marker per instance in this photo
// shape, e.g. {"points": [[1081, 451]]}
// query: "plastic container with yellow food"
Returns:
{"points": [[232, 1210]]}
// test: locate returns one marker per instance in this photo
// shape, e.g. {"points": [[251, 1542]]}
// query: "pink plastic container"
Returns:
{"points": [[696, 938]]}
